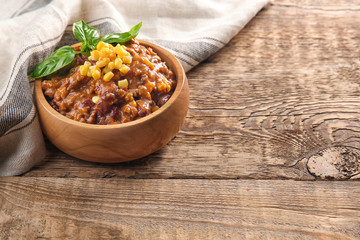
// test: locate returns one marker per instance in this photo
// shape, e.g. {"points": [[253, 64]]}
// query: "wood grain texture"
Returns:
{"points": [[280, 101], [44, 208], [285, 88]]}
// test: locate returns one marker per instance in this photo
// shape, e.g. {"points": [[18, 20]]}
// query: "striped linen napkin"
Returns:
{"points": [[31, 30]]}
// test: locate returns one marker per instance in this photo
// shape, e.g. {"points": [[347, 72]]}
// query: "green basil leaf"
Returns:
{"points": [[121, 37], [85, 49], [59, 59], [85, 34]]}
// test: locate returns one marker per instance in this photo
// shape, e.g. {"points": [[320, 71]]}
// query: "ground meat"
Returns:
{"points": [[150, 85]]}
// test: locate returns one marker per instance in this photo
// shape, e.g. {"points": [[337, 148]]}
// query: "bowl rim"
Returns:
{"points": [[180, 77]]}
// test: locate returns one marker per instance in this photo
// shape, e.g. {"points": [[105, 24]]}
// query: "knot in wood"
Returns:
{"points": [[335, 163]]}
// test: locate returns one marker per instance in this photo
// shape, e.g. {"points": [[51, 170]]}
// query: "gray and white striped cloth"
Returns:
{"points": [[30, 30]]}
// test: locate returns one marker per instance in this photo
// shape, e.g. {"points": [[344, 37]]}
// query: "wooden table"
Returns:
{"points": [[269, 150]]}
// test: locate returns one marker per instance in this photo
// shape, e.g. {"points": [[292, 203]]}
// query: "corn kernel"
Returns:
{"points": [[96, 74], [112, 56], [120, 51], [105, 70], [149, 64], [94, 68], [105, 51], [118, 63], [100, 45], [108, 76], [91, 69], [95, 99], [161, 87], [117, 48], [89, 73], [133, 103], [87, 63], [154, 108], [166, 84], [84, 70], [168, 88], [124, 69], [95, 55], [123, 83], [110, 46], [127, 59], [111, 65], [102, 62]]}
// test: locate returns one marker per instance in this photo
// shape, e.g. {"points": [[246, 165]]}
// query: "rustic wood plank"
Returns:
{"points": [[285, 88], [320, 5], [43, 208]]}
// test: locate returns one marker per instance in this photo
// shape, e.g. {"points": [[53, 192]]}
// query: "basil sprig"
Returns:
{"points": [[59, 59], [89, 37]]}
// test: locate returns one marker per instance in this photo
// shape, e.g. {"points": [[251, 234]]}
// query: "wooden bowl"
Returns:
{"points": [[118, 142]]}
